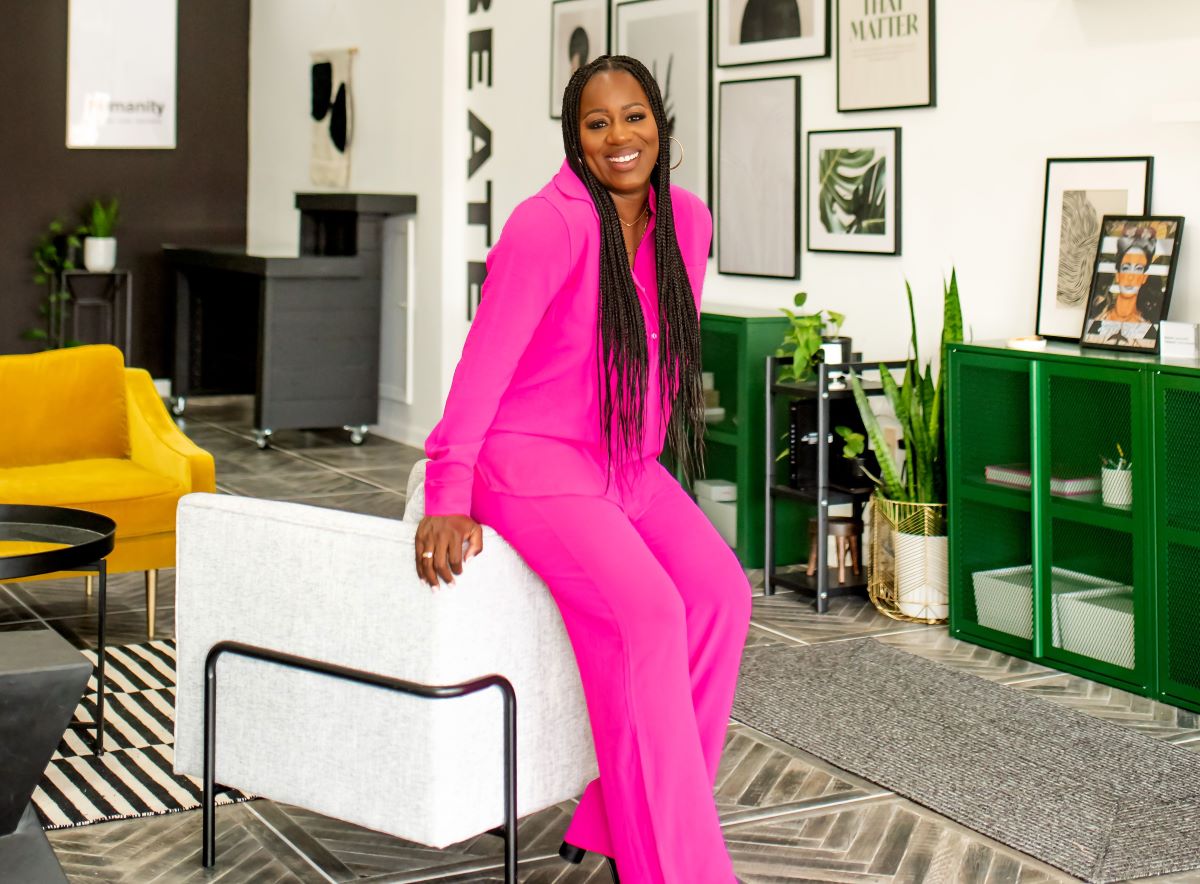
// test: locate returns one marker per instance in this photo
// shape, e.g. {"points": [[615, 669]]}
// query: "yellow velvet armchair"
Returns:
{"points": [[78, 429]]}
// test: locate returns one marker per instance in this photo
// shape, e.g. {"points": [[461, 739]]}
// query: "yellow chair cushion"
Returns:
{"points": [[138, 500], [63, 405]]}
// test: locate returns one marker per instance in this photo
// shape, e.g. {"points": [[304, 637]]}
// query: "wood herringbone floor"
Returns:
{"points": [[788, 817]]}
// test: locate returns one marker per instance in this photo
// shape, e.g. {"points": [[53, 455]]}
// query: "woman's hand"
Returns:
{"points": [[445, 536]]}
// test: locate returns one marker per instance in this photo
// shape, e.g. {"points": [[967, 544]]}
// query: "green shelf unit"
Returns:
{"points": [[735, 342], [1110, 593]]}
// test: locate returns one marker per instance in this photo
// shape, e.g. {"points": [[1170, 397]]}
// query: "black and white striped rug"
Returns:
{"points": [[133, 778]]}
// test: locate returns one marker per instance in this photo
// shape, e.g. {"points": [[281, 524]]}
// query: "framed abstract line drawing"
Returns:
{"points": [[578, 34], [854, 191], [1079, 193], [758, 178], [1131, 285], [672, 38], [886, 54], [758, 31]]}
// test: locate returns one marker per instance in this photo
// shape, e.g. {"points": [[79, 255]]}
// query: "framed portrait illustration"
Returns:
{"points": [[1079, 193], [758, 177], [757, 31], [672, 38], [885, 54], [854, 191], [578, 34], [1131, 285]]}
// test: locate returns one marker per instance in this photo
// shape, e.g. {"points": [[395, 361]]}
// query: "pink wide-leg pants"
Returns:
{"points": [[657, 607]]}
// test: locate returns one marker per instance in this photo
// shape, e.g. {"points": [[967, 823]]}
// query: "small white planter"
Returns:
{"points": [[922, 575], [100, 253], [1116, 487]]}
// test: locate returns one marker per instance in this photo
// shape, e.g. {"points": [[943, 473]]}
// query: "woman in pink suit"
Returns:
{"points": [[603, 267]]}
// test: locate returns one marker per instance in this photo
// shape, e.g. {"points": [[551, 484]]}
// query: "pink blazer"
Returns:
{"points": [[523, 408]]}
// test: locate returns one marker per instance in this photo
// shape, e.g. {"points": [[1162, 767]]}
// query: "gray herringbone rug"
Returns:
{"points": [[1097, 800]]}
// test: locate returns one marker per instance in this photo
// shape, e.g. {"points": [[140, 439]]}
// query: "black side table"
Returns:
{"points": [[102, 307], [82, 540], [41, 680]]}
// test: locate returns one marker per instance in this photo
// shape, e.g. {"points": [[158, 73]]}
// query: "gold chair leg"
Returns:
{"points": [[151, 599], [89, 583]]}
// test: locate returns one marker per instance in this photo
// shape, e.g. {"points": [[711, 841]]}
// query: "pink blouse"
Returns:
{"points": [[523, 407]]}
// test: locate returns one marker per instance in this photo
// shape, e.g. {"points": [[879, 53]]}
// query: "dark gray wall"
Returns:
{"points": [[195, 193]]}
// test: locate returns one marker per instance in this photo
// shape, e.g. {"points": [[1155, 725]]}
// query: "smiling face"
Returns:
{"points": [[618, 132]]}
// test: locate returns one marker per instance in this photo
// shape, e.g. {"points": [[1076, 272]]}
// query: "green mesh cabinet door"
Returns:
{"points": [[991, 532], [1177, 485], [1095, 581], [734, 346]]}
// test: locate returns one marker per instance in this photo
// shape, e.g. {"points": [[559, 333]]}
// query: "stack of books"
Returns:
{"points": [[1017, 475]]}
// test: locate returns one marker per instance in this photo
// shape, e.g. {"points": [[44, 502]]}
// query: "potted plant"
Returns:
{"points": [[810, 334], [54, 253], [1116, 480], [910, 498], [100, 247]]}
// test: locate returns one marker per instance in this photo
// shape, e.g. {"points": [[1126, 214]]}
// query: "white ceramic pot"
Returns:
{"points": [[922, 575], [1116, 487], [100, 253]]}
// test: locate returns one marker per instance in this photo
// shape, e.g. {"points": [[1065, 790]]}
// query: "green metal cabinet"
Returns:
{"points": [[1042, 565], [735, 342]]}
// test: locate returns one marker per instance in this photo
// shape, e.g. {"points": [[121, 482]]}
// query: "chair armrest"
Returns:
{"points": [[157, 444]]}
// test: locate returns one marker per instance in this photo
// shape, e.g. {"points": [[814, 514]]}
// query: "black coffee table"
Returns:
{"points": [[85, 538]]}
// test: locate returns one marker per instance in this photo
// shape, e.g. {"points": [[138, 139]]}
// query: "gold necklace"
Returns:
{"points": [[645, 209], [628, 251]]}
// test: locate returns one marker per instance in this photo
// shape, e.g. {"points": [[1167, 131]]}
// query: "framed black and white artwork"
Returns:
{"points": [[671, 37], [1079, 193], [886, 54], [854, 191], [578, 34], [757, 31], [758, 177]]}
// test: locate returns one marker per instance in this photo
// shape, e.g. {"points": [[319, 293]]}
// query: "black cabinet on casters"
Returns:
{"points": [[819, 486]]}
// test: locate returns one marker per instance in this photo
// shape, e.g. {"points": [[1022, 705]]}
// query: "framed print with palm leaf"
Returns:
{"points": [[854, 191]]}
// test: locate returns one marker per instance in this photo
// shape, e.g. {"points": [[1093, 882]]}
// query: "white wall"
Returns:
{"points": [[1017, 82], [397, 147]]}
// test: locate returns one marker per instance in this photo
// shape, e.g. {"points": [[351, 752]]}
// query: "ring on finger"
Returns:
{"points": [[427, 555]]}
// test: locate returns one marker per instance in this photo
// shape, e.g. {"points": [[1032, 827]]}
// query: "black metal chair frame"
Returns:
{"points": [[436, 692]]}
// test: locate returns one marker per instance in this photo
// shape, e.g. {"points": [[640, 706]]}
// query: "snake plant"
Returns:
{"points": [[918, 404]]}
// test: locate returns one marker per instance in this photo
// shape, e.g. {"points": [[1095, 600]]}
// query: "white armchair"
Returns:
{"points": [[341, 588]]}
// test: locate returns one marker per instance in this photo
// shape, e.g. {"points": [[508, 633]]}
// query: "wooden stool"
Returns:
{"points": [[847, 530]]}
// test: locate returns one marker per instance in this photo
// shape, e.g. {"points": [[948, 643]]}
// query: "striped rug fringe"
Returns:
{"points": [[134, 777]]}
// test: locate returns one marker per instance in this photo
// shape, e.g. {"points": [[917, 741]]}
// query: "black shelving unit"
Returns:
{"points": [[816, 489]]}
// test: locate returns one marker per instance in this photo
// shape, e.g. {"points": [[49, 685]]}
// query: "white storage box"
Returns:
{"points": [[715, 489], [1098, 624], [723, 514], [1004, 596]]}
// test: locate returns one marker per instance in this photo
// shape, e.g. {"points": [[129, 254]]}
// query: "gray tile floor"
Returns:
{"points": [[788, 816]]}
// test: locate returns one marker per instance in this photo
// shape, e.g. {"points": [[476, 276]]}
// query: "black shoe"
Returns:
{"points": [[573, 854]]}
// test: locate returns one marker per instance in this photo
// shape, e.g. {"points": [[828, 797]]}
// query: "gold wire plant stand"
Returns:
{"points": [[910, 568]]}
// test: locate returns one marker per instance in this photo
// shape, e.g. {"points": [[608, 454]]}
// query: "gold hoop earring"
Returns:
{"points": [[680, 143]]}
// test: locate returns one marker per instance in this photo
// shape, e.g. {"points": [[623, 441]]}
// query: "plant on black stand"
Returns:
{"points": [[54, 254]]}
